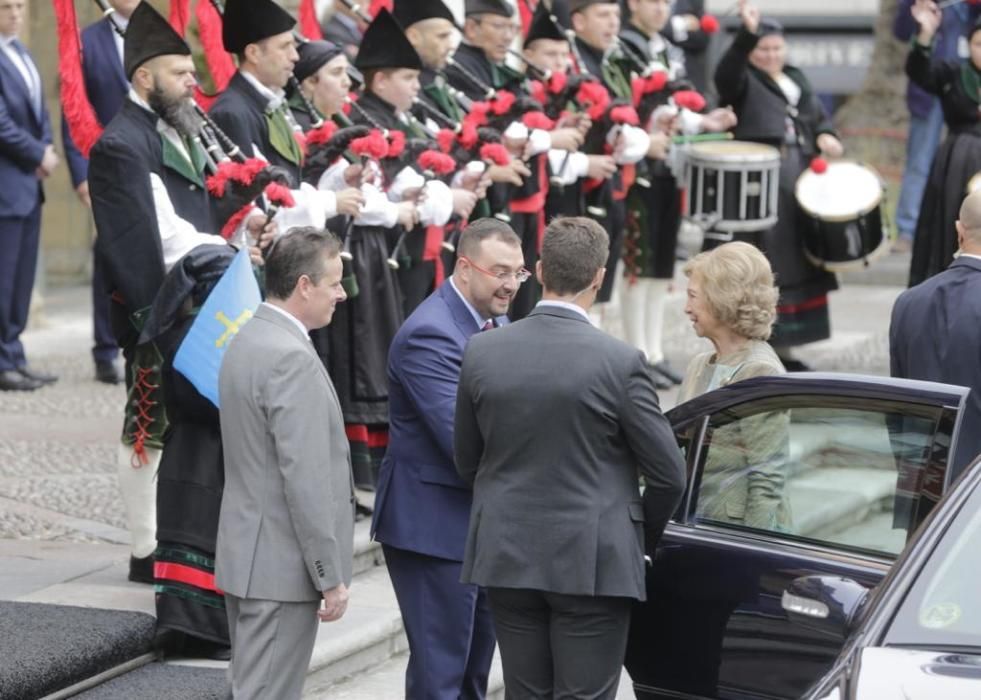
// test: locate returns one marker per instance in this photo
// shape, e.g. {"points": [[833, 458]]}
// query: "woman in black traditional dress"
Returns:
{"points": [[775, 105], [958, 84]]}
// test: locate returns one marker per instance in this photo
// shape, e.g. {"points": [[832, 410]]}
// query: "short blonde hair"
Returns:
{"points": [[737, 284]]}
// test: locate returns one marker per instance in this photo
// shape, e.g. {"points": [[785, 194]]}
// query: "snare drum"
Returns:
{"points": [[841, 221], [732, 185]]}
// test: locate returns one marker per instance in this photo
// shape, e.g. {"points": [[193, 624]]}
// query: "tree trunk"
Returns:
{"points": [[874, 122]]}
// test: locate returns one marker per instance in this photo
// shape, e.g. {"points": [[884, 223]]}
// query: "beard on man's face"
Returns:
{"points": [[178, 112]]}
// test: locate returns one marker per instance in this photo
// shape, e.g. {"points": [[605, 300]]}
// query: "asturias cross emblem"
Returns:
{"points": [[231, 327]]}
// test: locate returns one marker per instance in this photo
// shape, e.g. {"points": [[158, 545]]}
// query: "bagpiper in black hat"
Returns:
{"points": [[249, 21], [384, 46], [580, 5], [488, 7], [408, 12], [149, 35], [313, 56], [543, 26]]}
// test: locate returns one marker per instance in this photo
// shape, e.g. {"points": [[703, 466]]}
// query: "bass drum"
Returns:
{"points": [[840, 217]]}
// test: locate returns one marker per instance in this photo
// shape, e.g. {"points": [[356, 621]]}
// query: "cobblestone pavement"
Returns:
{"points": [[57, 445]]}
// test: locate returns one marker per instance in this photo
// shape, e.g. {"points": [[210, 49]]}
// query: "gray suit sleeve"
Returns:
{"points": [[650, 438], [298, 404], [468, 444]]}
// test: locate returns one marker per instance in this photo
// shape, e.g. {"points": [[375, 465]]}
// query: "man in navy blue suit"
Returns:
{"points": [[935, 332], [106, 87], [423, 508], [26, 158]]}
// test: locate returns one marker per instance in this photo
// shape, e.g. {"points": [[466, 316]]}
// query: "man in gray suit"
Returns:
{"points": [[286, 529], [555, 423]]}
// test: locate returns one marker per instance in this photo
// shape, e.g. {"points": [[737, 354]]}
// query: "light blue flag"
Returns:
{"points": [[229, 307]]}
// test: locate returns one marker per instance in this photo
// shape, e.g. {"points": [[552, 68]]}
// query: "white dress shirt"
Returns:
{"points": [[28, 72], [293, 319]]}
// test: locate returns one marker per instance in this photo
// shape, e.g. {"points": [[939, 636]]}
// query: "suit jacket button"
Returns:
{"points": [[192, 187]]}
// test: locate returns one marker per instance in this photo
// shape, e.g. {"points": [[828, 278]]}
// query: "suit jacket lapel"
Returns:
{"points": [[178, 162], [14, 76], [107, 43]]}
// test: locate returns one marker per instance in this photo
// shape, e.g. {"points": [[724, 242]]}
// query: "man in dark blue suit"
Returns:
{"points": [[935, 332], [106, 87], [26, 158], [423, 508]]}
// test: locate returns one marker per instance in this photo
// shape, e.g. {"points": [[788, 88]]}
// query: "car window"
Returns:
{"points": [[942, 608], [824, 470]]}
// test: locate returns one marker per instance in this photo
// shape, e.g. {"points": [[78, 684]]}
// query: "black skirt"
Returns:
{"points": [[956, 162]]}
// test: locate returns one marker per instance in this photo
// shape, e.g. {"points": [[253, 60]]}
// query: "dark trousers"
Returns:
{"points": [[19, 240], [105, 348], [560, 646], [449, 626]]}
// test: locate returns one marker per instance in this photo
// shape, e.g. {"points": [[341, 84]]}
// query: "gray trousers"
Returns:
{"points": [[560, 647], [272, 643]]}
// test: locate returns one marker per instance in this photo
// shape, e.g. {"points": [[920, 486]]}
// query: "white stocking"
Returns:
{"points": [[634, 307], [656, 299], [138, 488]]}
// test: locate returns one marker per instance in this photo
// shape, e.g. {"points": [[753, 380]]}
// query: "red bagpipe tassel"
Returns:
{"points": [[377, 5], [83, 124], [180, 16], [220, 63], [307, 14]]}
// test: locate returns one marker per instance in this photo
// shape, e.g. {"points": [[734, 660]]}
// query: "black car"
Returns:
{"points": [[789, 478], [918, 636]]}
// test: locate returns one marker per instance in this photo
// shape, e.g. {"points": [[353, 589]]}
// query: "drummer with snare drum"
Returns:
{"points": [[775, 105]]}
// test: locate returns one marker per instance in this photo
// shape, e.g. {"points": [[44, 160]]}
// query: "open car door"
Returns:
{"points": [[787, 476]]}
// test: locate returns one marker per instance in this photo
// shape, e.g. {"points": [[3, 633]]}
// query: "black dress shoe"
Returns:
{"points": [[141, 570], [107, 373], [12, 380], [660, 381], [37, 376], [667, 371]]}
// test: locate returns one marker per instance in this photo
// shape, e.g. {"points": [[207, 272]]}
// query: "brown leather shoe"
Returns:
{"points": [[12, 380]]}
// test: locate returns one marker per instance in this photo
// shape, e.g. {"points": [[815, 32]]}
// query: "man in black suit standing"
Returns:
{"points": [[936, 329], [555, 424]]}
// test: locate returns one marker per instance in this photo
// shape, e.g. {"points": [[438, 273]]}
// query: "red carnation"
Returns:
{"points": [[396, 144], [468, 134], [439, 163], [495, 153], [710, 25], [624, 115], [819, 165], [373, 145], [537, 91], [537, 120], [502, 102], [594, 98], [279, 195], [445, 139], [689, 99], [321, 134], [557, 82], [656, 81]]}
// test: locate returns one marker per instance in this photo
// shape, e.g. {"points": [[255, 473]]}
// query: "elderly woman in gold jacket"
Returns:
{"points": [[732, 302]]}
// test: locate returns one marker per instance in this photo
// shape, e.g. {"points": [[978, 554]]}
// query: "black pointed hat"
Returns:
{"points": [[384, 45], [408, 12], [543, 26], [248, 21], [580, 5], [488, 7], [313, 56], [149, 35]]}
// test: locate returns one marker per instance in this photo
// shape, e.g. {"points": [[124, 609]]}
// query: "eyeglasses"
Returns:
{"points": [[521, 276]]}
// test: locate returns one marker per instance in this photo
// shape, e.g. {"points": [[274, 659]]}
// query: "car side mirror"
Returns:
{"points": [[825, 604]]}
